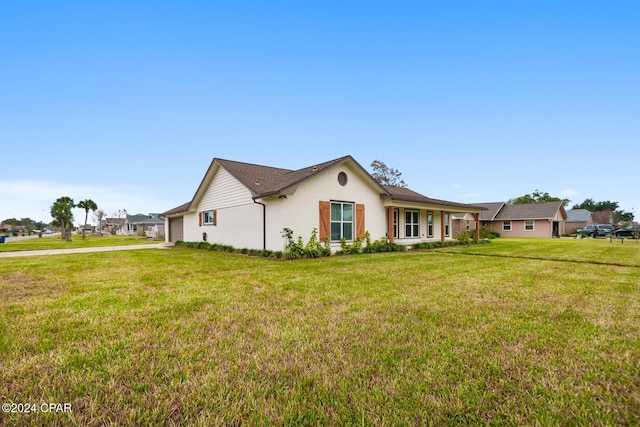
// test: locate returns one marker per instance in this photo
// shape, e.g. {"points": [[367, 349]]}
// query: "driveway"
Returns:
{"points": [[83, 250]]}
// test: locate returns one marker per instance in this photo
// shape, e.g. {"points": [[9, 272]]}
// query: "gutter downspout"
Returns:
{"points": [[264, 224]]}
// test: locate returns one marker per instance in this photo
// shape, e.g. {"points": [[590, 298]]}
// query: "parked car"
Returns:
{"points": [[628, 232], [595, 230]]}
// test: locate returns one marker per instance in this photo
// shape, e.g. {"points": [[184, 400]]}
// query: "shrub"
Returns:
{"points": [[488, 233], [295, 249]]}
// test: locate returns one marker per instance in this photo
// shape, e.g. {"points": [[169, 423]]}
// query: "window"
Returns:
{"points": [[209, 217], [411, 223], [528, 225], [468, 226], [342, 178], [396, 217], [506, 225], [429, 224], [446, 224], [341, 221]]}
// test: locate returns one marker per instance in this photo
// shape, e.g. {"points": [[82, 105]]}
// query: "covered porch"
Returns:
{"points": [[414, 218]]}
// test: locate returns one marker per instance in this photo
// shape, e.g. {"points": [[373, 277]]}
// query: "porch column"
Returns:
{"points": [[477, 218], [442, 226], [390, 225]]}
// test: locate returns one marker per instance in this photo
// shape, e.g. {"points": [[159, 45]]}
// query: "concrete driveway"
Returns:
{"points": [[84, 250]]}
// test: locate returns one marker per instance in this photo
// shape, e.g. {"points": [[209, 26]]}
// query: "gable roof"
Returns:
{"points": [[145, 219], [407, 195], [602, 217], [491, 210], [546, 210], [578, 215], [265, 181]]}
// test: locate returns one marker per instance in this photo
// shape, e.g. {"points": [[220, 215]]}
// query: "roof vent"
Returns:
{"points": [[257, 182], [315, 168]]}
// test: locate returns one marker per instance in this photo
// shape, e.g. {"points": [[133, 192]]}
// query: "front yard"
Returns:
{"points": [[514, 332]]}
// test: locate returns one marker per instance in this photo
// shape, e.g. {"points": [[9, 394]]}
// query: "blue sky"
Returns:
{"points": [[127, 103]]}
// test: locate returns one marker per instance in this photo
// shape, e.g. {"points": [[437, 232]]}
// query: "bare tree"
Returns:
{"points": [[385, 175], [97, 217]]}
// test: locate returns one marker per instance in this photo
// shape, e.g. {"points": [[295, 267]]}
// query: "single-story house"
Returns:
{"points": [[524, 220], [151, 225], [603, 217], [576, 219], [249, 205]]}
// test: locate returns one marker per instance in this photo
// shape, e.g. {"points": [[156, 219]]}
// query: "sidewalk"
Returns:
{"points": [[83, 250]]}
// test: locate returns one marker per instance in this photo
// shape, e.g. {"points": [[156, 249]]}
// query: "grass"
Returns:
{"points": [[56, 242], [520, 332]]}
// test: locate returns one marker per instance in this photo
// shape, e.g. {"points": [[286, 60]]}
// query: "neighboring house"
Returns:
{"points": [[113, 225], [88, 230], [151, 225], [248, 205], [603, 217], [465, 222], [525, 220], [576, 219]]}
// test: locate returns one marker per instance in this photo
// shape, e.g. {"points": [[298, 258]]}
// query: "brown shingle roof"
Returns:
{"points": [[530, 211], [264, 181], [180, 209], [407, 195], [491, 211]]}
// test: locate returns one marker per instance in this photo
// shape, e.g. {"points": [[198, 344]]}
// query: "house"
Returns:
{"points": [[249, 205], [603, 217], [576, 219], [151, 225], [113, 225], [524, 220]]}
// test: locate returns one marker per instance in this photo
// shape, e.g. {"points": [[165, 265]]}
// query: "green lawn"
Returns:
{"points": [[517, 332], [56, 242]]}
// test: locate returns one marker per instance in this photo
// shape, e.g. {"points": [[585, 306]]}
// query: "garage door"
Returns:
{"points": [[175, 229]]}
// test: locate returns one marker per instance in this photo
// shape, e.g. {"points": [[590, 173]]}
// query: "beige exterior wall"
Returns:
{"points": [[239, 220], [300, 210]]}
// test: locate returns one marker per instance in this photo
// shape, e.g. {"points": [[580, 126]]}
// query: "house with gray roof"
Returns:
{"points": [[150, 225], [576, 219], [525, 220], [248, 205]]}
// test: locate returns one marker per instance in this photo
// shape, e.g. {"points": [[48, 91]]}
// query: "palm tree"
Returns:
{"points": [[87, 205], [61, 211]]}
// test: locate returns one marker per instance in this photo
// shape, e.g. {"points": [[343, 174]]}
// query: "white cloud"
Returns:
{"points": [[567, 194], [33, 199]]}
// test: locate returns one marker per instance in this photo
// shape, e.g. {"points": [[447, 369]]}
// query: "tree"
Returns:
{"points": [[61, 212], [537, 197], [97, 216], [385, 175], [619, 215], [87, 205]]}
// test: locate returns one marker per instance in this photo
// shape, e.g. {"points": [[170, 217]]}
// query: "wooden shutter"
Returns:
{"points": [[325, 220], [215, 217], [360, 221], [200, 219]]}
